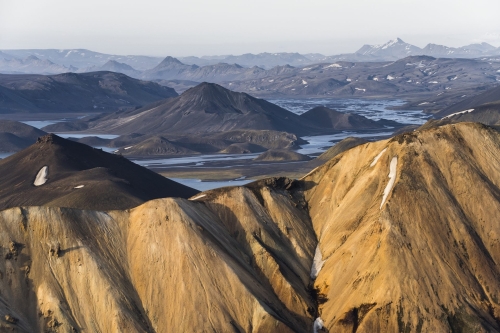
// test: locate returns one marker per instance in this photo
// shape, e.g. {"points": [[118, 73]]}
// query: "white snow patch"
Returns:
{"points": [[424, 103], [392, 179], [390, 77], [375, 160], [390, 43], [307, 69], [318, 324], [271, 80], [375, 79], [198, 197], [304, 82], [434, 82], [454, 78], [409, 81], [128, 147], [41, 176], [333, 66], [460, 112], [463, 96], [363, 90], [447, 88], [317, 263], [79, 186], [348, 80]]}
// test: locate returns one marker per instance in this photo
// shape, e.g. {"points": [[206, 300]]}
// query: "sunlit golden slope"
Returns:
{"points": [[425, 260], [401, 235]]}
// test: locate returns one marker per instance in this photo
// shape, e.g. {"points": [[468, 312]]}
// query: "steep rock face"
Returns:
{"points": [[237, 262], [409, 231]]}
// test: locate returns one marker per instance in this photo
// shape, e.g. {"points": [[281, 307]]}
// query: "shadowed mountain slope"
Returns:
{"points": [[489, 96], [325, 117], [388, 236], [16, 136], [206, 108], [70, 92], [52, 171]]}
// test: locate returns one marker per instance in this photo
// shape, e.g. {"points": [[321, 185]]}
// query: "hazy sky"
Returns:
{"points": [[210, 27]]}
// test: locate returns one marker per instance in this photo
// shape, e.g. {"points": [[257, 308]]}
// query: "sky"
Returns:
{"points": [[217, 27]]}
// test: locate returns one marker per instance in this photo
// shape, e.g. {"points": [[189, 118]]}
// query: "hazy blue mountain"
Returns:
{"points": [[82, 58]]}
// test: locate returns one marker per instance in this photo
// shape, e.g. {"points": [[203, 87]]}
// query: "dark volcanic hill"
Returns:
{"points": [[70, 92], [206, 108], [15, 136], [169, 68], [325, 117], [489, 96], [60, 172], [281, 155]]}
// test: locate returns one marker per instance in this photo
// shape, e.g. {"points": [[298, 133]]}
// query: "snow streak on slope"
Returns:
{"points": [[392, 179]]}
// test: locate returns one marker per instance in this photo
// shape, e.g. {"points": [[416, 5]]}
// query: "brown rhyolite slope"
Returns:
{"points": [[426, 260], [238, 259]]}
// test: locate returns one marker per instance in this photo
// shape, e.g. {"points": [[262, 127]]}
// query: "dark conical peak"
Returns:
{"points": [[211, 91], [50, 139], [206, 88], [170, 60]]}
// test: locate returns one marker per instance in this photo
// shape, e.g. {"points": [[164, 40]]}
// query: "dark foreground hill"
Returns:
{"points": [[400, 235], [70, 92], [63, 173]]}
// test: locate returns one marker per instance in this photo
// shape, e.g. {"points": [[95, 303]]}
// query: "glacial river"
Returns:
{"points": [[372, 109]]}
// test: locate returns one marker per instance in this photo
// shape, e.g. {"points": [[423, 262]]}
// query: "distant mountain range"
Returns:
{"points": [[51, 61], [71, 92], [431, 82]]}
